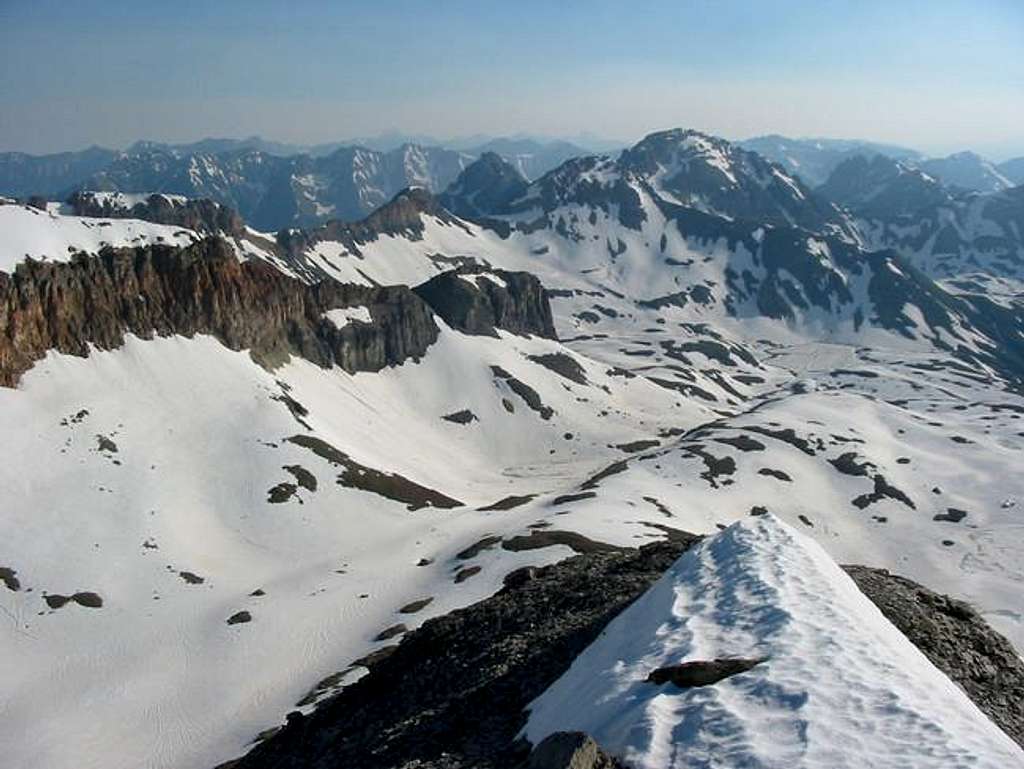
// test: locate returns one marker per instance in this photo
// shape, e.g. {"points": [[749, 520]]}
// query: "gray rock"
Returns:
{"points": [[570, 750], [703, 672]]}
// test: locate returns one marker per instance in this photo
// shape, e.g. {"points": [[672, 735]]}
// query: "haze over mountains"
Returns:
{"points": [[276, 185], [297, 448]]}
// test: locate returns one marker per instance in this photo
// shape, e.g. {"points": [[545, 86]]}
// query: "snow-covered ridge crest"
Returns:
{"points": [[841, 687], [27, 232]]}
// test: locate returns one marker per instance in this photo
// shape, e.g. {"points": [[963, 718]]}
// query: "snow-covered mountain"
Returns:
{"points": [[531, 158], [968, 171], [813, 160], [272, 185], [274, 192], [1013, 170], [944, 233], [239, 466], [22, 174], [883, 186]]}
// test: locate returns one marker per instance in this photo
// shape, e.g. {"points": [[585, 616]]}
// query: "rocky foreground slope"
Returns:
{"points": [[455, 692]]}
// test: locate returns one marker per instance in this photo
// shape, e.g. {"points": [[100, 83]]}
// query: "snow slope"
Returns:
{"points": [[44, 235], [170, 520], [688, 417], [841, 687]]}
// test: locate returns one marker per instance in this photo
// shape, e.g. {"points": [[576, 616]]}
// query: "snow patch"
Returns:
{"points": [[343, 316]]}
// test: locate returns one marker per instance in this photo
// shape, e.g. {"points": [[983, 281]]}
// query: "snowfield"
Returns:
{"points": [[227, 562], [43, 235], [841, 687]]}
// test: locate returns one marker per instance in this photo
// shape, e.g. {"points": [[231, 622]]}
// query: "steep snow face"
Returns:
{"points": [[841, 686], [44, 235]]}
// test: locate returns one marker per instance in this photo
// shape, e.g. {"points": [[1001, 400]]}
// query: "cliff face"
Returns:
{"points": [[202, 214], [202, 289], [480, 301]]}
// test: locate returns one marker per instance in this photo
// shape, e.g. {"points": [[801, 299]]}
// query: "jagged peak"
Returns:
{"points": [[486, 186]]}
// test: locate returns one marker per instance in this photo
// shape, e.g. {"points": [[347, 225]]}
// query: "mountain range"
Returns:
{"points": [[275, 185], [271, 184], [361, 458]]}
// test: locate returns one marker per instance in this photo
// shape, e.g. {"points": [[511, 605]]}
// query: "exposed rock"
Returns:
{"points": [[465, 573], [202, 215], [10, 579], [391, 632], [201, 289], [636, 446], [478, 547], [415, 606], [563, 365], [703, 672], [468, 300], [524, 391], [463, 417], [487, 185], [302, 476], [552, 537], [87, 599], [402, 215], [570, 750], [508, 503], [357, 476]]}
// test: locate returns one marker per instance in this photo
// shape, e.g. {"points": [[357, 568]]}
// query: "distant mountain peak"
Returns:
{"points": [[485, 186], [968, 170]]}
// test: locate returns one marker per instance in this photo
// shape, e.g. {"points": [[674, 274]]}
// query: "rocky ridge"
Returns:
{"points": [[203, 289], [453, 693]]}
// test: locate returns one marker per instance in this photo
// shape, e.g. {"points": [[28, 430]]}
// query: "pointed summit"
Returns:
{"points": [[484, 187]]}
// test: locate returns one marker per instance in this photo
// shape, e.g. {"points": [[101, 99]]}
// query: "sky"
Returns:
{"points": [[936, 75]]}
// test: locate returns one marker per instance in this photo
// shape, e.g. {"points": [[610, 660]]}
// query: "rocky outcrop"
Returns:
{"points": [[202, 289], [702, 672], [570, 750], [478, 301], [201, 215], [486, 186]]}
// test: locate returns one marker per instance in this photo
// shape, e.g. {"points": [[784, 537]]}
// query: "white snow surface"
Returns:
{"points": [[841, 686], [43, 235], [201, 433], [345, 315]]}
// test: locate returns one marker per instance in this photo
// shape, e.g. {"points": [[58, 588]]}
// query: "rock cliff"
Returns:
{"points": [[202, 289]]}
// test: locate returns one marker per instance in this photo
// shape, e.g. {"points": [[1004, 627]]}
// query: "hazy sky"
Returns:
{"points": [[939, 75]]}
